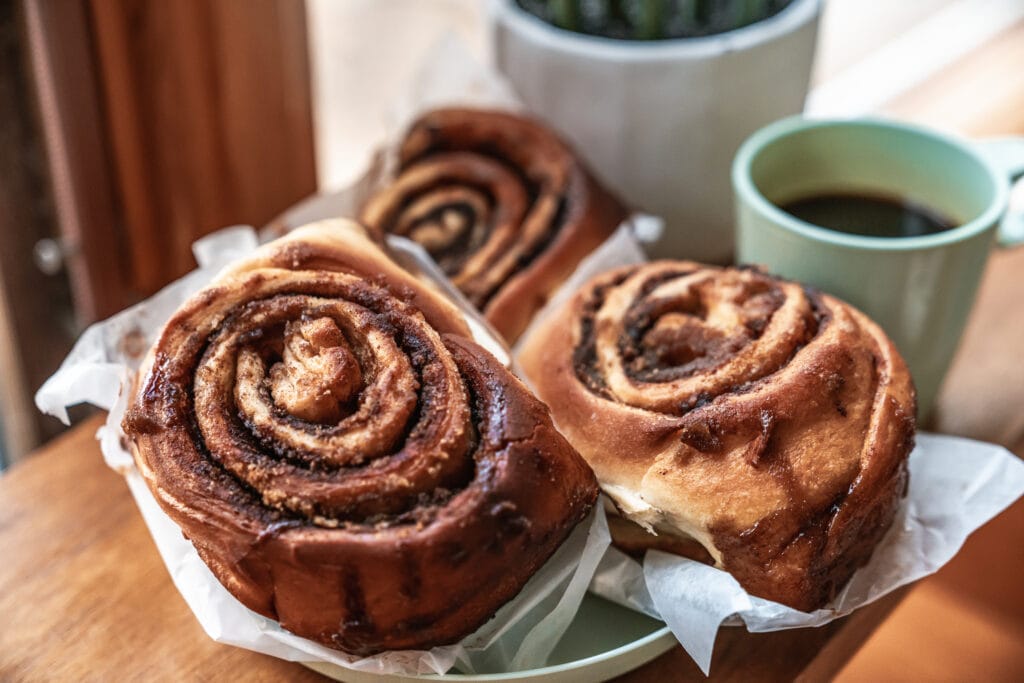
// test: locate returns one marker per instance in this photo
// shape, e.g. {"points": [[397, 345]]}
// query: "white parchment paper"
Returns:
{"points": [[956, 485], [99, 370]]}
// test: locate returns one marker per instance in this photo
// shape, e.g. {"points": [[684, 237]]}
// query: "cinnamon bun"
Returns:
{"points": [[738, 418], [501, 203], [343, 457]]}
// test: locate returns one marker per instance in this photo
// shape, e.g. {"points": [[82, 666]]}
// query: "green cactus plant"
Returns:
{"points": [[652, 19]]}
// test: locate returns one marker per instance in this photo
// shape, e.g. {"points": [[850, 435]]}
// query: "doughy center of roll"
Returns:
{"points": [[698, 325], [318, 372], [662, 338], [445, 221]]}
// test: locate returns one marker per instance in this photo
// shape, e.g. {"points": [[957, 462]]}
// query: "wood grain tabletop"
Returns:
{"points": [[84, 595]]}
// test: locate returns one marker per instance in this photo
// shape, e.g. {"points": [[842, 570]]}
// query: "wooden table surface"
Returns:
{"points": [[84, 595]]}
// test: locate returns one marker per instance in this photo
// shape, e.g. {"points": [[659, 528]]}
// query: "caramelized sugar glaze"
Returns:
{"points": [[766, 421], [500, 202], [343, 457]]}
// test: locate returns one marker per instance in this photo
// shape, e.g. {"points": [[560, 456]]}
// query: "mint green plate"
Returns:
{"points": [[603, 641]]}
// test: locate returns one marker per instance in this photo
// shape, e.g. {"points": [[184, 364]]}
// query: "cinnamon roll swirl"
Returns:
{"points": [[502, 205], [740, 419], [342, 456]]}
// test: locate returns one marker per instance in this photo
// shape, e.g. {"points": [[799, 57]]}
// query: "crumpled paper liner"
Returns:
{"points": [[99, 370], [956, 485]]}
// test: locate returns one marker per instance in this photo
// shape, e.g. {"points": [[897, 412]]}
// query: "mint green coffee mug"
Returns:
{"points": [[919, 289]]}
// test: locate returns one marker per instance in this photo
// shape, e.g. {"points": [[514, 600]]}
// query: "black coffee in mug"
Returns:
{"points": [[872, 215]]}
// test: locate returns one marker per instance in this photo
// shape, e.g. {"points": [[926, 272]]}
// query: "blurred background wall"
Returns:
{"points": [[128, 128]]}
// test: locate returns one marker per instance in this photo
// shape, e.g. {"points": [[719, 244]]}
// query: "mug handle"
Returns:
{"points": [[1007, 155]]}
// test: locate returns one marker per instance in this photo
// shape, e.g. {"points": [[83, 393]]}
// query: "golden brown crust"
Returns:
{"points": [[501, 203], [343, 458], [768, 422]]}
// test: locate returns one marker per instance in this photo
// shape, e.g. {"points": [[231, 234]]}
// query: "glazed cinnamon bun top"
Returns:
{"points": [[500, 202]]}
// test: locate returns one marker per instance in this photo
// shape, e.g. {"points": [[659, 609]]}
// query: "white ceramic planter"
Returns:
{"points": [[660, 121]]}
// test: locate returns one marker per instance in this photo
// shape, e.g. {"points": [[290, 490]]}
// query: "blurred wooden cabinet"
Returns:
{"points": [[160, 121]]}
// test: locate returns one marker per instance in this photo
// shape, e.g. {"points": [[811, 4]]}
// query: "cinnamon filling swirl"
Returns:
{"points": [[500, 203]]}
